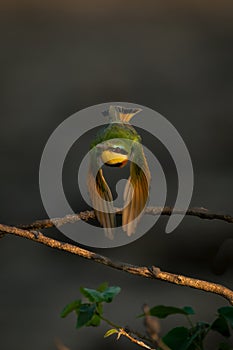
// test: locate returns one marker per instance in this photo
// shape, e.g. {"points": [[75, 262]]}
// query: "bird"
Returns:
{"points": [[114, 146]]}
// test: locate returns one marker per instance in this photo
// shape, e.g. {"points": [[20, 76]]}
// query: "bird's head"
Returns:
{"points": [[114, 154]]}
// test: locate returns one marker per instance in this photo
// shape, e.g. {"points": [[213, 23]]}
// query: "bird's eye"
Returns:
{"points": [[120, 150]]}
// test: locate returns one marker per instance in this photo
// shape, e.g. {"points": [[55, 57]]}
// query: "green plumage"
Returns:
{"points": [[114, 131]]}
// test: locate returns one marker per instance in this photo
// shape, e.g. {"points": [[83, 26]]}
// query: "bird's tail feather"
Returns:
{"points": [[121, 114]]}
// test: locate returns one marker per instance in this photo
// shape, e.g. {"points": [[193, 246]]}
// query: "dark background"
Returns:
{"points": [[59, 57]]}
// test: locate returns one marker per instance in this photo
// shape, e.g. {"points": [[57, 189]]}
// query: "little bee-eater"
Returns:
{"points": [[114, 146]]}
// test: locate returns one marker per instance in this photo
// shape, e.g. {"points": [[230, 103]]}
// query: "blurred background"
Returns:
{"points": [[58, 57]]}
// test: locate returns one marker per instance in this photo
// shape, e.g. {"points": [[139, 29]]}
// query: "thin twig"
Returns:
{"points": [[157, 341], [124, 331], [86, 215], [152, 326], [200, 212], [138, 334], [132, 339], [143, 271]]}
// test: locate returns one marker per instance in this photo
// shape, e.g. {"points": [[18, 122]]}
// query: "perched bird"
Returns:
{"points": [[114, 146]]}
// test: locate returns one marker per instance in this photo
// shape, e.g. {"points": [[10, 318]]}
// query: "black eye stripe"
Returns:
{"points": [[118, 150]]}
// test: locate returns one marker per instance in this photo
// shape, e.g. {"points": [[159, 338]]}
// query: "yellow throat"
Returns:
{"points": [[111, 158]]}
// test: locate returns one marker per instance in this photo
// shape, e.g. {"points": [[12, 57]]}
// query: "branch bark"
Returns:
{"points": [[153, 272], [200, 212]]}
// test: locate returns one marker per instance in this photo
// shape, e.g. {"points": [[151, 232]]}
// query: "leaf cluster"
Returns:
{"points": [[90, 311], [192, 338]]}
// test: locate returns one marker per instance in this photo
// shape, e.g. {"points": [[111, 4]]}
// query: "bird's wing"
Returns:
{"points": [[99, 184], [136, 194]]}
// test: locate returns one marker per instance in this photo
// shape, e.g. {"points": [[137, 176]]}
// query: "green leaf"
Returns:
{"points": [[189, 310], [220, 325], [92, 295], [110, 332], [196, 335], [162, 311], [177, 338], [110, 293], [102, 287], [94, 322], [96, 296], [85, 314], [225, 346], [74, 306], [227, 313], [99, 309], [202, 324]]}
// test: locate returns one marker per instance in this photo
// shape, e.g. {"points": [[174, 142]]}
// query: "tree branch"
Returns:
{"points": [[143, 271], [200, 212]]}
